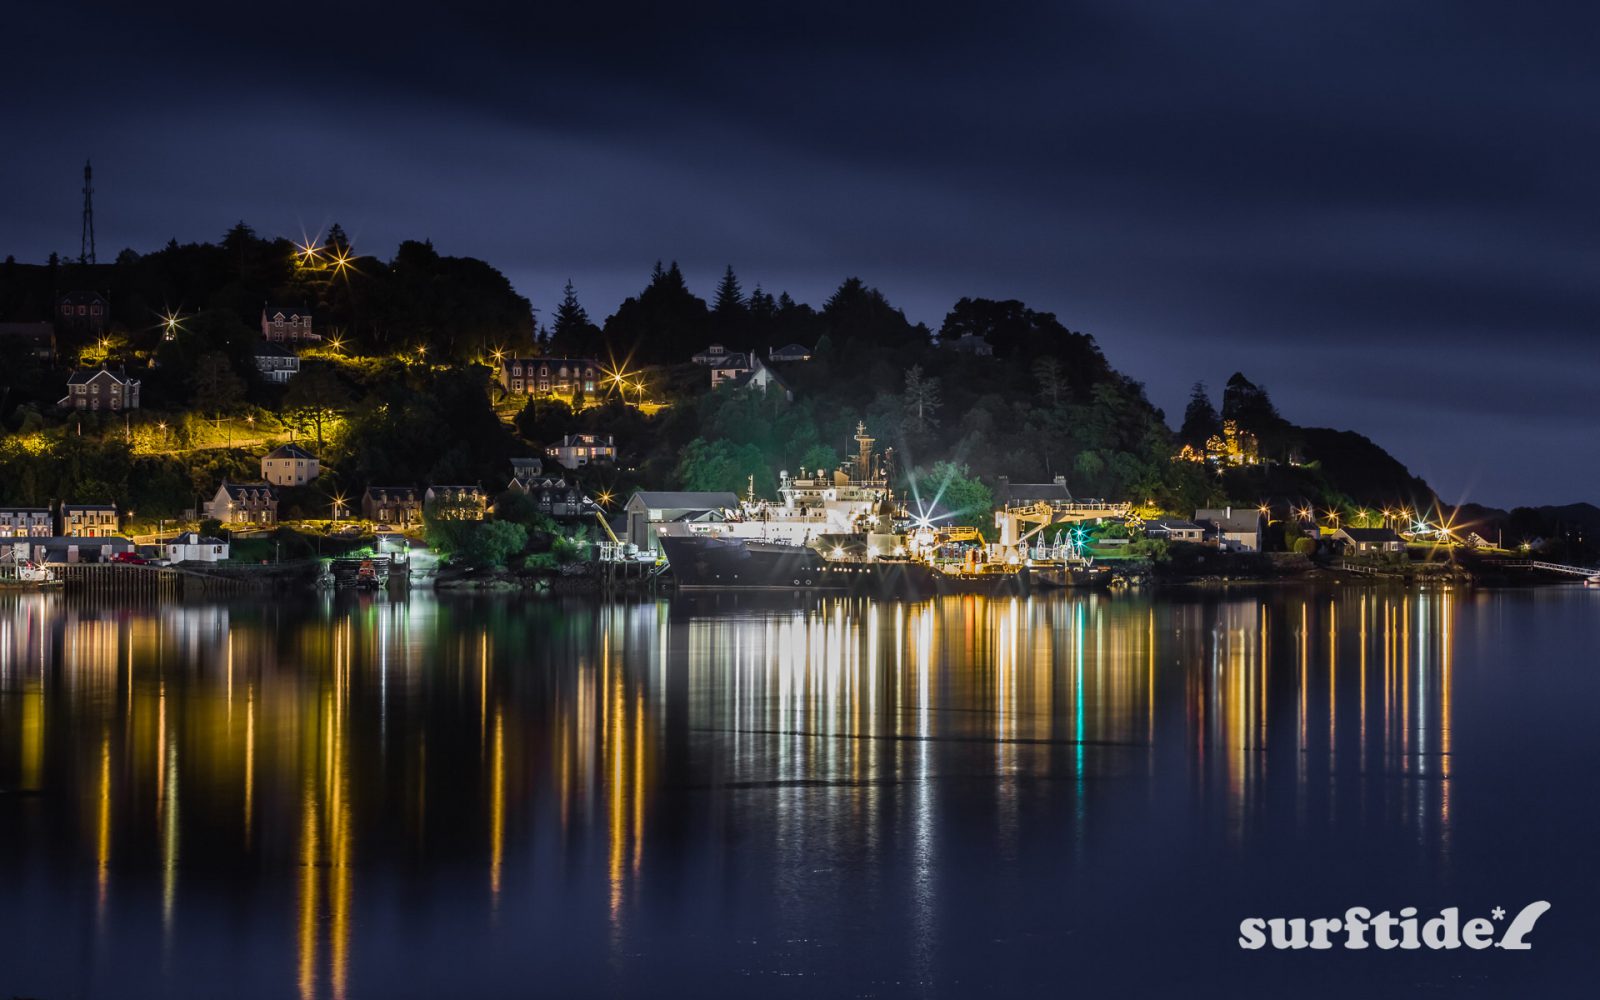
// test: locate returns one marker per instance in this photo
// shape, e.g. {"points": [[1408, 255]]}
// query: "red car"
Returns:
{"points": [[131, 558]]}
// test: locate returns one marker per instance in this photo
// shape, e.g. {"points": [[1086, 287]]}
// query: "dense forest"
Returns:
{"points": [[403, 391]]}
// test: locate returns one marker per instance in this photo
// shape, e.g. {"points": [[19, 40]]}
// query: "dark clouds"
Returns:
{"points": [[1383, 212]]}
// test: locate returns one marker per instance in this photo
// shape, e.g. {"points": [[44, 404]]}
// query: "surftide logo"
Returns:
{"points": [[1360, 928]]}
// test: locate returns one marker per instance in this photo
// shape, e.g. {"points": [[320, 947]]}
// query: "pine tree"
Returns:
{"points": [[573, 333], [1047, 371], [730, 298], [1200, 419]]}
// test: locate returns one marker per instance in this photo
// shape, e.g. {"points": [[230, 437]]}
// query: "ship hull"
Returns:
{"points": [[702, 562]]}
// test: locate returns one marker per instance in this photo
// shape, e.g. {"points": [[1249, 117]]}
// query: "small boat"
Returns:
{"points": [[1593, 581], [33, 576]]}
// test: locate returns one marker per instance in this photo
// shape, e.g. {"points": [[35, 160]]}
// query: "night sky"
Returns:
{"points": [[1383, 212]]}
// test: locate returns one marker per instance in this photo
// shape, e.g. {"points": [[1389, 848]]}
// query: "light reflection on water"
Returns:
{"points": [[352, 797]]}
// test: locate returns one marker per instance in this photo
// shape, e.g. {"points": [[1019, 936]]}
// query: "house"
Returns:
{"points": [[730, 367], [711, 355], [287, 324], [555, 496], [577, 450], [1370, 541], [456, 503], [83, 312], [100, 390], [1173, 529], [550, 376], [526, 467], [1235, 529], [26, 522], [244, 503], [276, 363], [193, 547], [760, 377], [789, 352], [36, 339], [973, 344], [1009, 494], [645, 509], [88, 520], [290, 465], [398, 505]]}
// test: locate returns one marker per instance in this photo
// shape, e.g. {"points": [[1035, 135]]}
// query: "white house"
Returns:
{"points": [[1235, 529], [576, 450], [192, 547]]}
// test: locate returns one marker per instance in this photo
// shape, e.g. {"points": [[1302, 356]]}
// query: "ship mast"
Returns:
{"points": [[864, 458]]}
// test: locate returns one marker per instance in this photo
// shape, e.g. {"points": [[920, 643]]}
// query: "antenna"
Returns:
{"points": [[86, 245]]}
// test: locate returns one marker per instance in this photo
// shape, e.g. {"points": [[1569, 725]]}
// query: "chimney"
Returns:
{"points": [[1228, 513], [1061, 481]]}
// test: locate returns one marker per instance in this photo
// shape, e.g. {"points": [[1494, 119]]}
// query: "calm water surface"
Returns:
{"points": [[727, 797]]}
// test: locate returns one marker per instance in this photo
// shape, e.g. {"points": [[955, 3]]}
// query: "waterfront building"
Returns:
{"points": [[1235, 529], [244, 503], [1369, 541], [194, 547], [88, 520], [26, 522], [1175, 530], [457, 503], [556, 496], [648, 509], [395, 505]]}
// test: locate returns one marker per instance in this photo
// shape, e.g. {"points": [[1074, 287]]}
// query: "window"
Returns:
{"points": [[83, 311], [66, 309], [94, 310]]}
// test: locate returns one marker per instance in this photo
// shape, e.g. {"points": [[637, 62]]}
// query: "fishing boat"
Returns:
{"points": [[30, 576]]}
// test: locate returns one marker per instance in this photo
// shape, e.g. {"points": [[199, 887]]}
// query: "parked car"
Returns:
{"points": [[130, 558]]}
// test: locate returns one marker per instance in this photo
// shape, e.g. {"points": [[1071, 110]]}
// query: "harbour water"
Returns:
{"points": [[724, 796]]}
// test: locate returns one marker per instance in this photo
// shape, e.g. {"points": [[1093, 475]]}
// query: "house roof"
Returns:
{"points": [[249, 491], [569, 362], [395, 492], [88, 506], [585, 440], [1172, 524], [685, 500], [286, 311], [195, 538], [83, 376], [1008, 492], [290, 450], [443, 487], [1370, 535], [268, 349], [1234, 519], [790, 350]]}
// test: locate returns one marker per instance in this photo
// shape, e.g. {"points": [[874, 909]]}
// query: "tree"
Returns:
{"points": [[730, 303], [217, 387], [921, 400], [1201, 422], [1047, 372], [315, 396], [573, 334]]}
